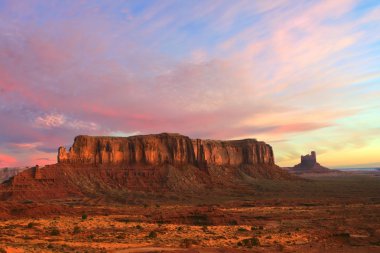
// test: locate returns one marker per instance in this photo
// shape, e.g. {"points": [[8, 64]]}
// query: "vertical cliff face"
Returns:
{"points": [[165, 148], [233, 153], [147, 149]]}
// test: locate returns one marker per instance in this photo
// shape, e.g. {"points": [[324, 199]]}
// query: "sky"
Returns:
{"points": [[299, 75]]}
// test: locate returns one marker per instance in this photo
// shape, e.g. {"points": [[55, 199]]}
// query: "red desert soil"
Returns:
{"points": [[326, 214]]}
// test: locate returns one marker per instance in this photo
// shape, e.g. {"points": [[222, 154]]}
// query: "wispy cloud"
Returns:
{"points": [[274, 70]]}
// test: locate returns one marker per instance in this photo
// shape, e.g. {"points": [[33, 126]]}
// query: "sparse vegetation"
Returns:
{"points": [[240, 229], [233, 223], [152, 234], [76, 230], [249, 242], [84, 216], [54, 231], [289, 231], [344, 235], [31, 225]]}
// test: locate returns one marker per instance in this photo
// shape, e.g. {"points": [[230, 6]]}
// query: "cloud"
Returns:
{"points": [[267, 70], [7, 160], [50, 120], [32, 145], [59, 120]]}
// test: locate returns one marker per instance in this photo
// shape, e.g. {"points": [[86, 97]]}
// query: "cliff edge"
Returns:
{"points": [[165, 148]]}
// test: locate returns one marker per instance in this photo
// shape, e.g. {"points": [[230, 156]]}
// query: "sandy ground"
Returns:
{"points": [[310, 221]]}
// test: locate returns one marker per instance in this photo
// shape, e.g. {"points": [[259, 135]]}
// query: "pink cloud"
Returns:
{"points": [[87, 74], [7, 160], [299, 127]]}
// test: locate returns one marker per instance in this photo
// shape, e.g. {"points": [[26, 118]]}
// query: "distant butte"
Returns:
{"points": [[98, 166], [309, 164]]}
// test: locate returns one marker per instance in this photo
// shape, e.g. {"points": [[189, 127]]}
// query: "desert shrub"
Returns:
{"points": [[54, 231], [138, 227], [31, 225], [232, 223], [84, 216], [242, 229], [2, 250], [179, 228], [157, 205], [249, 242], [344, 235], [76, 230], [204, 228], [145, 205], [28, 201], [50, 246], [152, 234]]}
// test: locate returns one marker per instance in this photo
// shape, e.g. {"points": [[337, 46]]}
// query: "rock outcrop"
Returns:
{"points": [[111, 167], [165, 148], [309, 164]]}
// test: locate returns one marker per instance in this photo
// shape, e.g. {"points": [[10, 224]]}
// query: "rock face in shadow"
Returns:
{"points": [[6, 173], [165, 148]]}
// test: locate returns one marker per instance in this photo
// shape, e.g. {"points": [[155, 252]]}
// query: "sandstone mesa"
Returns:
{"points": [[103, 166]]}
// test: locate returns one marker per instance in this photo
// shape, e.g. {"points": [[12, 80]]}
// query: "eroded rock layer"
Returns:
{"points": [[165, 148]]}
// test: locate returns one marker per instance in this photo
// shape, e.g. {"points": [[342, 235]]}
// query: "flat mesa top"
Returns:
{"points": [[165, 134]]}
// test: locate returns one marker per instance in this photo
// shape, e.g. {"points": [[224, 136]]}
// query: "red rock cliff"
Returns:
{"points": [[165, 148]]}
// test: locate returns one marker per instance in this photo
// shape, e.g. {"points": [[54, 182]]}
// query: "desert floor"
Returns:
{"points": [[338, 213]]}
